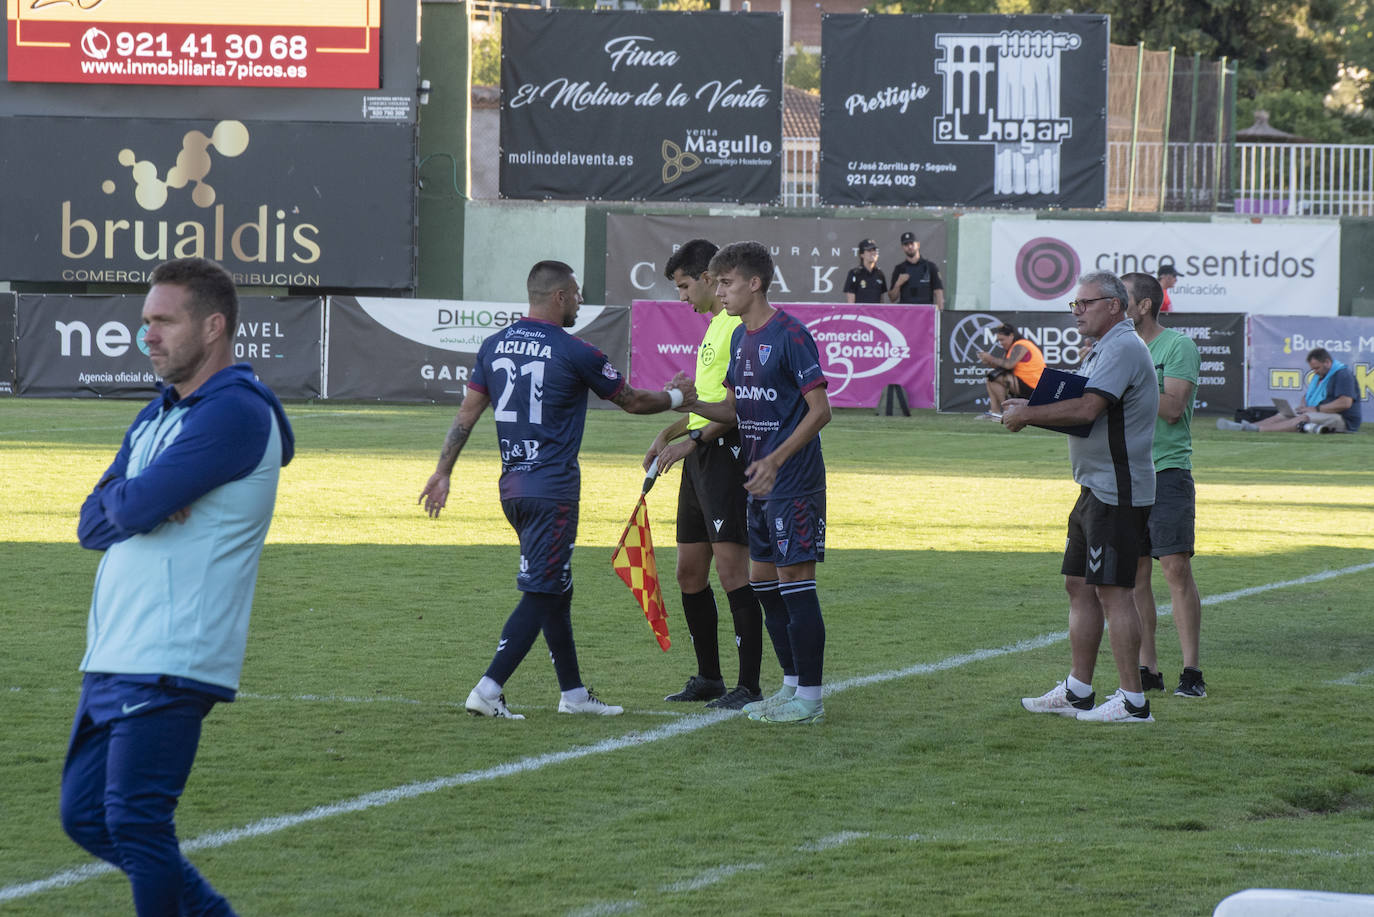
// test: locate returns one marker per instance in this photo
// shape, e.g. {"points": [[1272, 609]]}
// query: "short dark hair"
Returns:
{"points": [[749, 258], [211, 287], [1320, 354], [1004, 328], [693, 258], [1167, 268], [547, 277], [1143, 286]]}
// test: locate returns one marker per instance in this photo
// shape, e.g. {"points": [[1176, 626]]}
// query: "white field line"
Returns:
{"points": [[1354, 678], [683, 726]]}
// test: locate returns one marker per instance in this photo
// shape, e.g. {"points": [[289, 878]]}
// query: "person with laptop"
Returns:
{"points": [[1330, 405]]}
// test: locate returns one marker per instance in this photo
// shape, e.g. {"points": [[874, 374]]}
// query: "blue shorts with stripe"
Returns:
{"points": [[547, 530], [787, 530]]}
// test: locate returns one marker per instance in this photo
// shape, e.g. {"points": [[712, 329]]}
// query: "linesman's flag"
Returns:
{"points": [[634, 563]]}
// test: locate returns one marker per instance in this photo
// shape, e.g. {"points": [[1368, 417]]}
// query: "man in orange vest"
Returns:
{"points": [[1014, 374]]}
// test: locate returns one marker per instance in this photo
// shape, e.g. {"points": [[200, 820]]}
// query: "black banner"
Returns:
{"points": [[278, 204], [641, 106], [946, 110], [7, 343], [93, 345], [424, 349], [810, 256], [1220, 338]]}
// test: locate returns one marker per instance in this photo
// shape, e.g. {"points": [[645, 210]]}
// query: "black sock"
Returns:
{"points": [[699, 609], [744, 609]]}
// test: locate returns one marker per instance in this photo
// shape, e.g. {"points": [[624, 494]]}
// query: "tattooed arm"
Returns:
{"points": [[435, 494]]}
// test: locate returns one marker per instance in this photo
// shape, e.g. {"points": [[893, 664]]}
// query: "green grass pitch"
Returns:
{"points": [[927, 790]]}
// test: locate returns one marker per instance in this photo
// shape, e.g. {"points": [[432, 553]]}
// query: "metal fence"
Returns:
{"points": [[1305, 179]]}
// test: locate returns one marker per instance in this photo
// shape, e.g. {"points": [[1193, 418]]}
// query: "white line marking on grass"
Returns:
{"points": [[604, 908], [1354, 678], [350, 699], [684, 726], [831, 841], [711, 877]]}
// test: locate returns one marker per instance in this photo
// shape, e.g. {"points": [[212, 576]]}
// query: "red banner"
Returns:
{"points": [[196, 44]]}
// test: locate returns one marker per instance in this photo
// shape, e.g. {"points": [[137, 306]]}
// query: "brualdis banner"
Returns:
{"points": [[641, 106], [105, 200], [323, 43], [863, 348], [953, 110]]}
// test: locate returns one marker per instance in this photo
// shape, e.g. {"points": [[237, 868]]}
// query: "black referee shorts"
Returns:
{"points": [[711, 498]]}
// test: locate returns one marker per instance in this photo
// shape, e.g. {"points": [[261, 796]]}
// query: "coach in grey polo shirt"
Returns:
{"points": [[1107, 527]]}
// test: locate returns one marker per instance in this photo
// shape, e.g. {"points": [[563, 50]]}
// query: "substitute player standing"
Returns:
{"points": [[538, 375], [775, 391], [711, 501], [1107, 527], [1177, 364]]}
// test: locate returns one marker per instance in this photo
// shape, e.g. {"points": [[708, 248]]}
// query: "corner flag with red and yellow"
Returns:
{"points": [[633, 562]]}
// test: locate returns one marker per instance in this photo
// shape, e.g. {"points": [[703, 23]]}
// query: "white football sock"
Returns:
{"points": [[1079, 688], [488, 688], [809, 692]]}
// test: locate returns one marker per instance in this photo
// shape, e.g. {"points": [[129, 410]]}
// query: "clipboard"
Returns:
{"points": [[1057, 385]]}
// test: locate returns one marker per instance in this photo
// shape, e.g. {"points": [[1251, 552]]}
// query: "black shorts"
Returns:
{"points": [[1104, 542], [1173, 515], [711, 497]]}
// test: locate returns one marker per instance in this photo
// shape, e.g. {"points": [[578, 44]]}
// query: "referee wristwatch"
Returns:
{"points": [[695, 435]]}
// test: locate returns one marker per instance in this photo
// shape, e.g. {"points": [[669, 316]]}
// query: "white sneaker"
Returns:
{"points": [[1224, 424], [1059, 700], [756, 709], [592, 704], [478, 705], [1117, 709]]}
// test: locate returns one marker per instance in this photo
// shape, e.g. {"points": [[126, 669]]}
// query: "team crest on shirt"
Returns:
{"points": [[764, 351], [609, 371], [782, 545], [777, 523]]}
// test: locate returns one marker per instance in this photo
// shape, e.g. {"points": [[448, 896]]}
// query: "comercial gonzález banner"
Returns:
{"points": [[954, 110], [641, 106], [1273, 267]]}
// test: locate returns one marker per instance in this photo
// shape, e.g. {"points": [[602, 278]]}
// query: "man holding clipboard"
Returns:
{"points": [[1113, 465]]}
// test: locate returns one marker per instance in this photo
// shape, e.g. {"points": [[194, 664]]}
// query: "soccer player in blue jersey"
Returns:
{"points": [[181, 516], [537, 377], [775, 391]]}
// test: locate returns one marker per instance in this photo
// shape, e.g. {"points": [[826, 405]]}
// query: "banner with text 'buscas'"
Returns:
{"points": [[424, 349], [72, 346], [956, 110], [1279, 345], [105, 200], [641, 106]]}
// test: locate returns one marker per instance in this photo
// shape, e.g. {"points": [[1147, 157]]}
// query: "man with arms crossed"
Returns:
{"points": [[711, 501], [1107, 527], [775, 391], [1177, 364], [538, 376], [181, 515]]}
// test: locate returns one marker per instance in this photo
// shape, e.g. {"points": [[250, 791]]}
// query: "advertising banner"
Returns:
{"points": [[649, 106], [964, 110], [1269, 267], [1279, 345], [278, 204], [424, 349], [863, 348], [324, 43], [71, 346], [811, 257], [6, 343], [1219, 338]]}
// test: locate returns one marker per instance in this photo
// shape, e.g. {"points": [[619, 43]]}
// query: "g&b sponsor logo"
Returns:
{"points": [[245, 233], [855, 346]]}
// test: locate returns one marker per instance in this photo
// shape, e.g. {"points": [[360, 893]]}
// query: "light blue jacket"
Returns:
{"points": [[173, 598]]}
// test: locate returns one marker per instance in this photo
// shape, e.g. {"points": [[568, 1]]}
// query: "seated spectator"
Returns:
{"points": [[1014, 374], [1331, 405]]}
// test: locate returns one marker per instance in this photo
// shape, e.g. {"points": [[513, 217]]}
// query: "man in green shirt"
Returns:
{"points": [[1172, 519], [711, 506]]}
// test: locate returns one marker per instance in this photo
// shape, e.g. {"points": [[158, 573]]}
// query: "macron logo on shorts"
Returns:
{"points": [[718, 523]]}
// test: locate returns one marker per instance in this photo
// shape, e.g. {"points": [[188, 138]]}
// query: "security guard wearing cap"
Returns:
{"points": [[866, 283], [916, 280]]}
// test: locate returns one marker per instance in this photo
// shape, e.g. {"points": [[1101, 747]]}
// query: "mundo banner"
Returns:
{"points": [[863, 348], [953, 110], [1220, 340], [649, 106]]}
